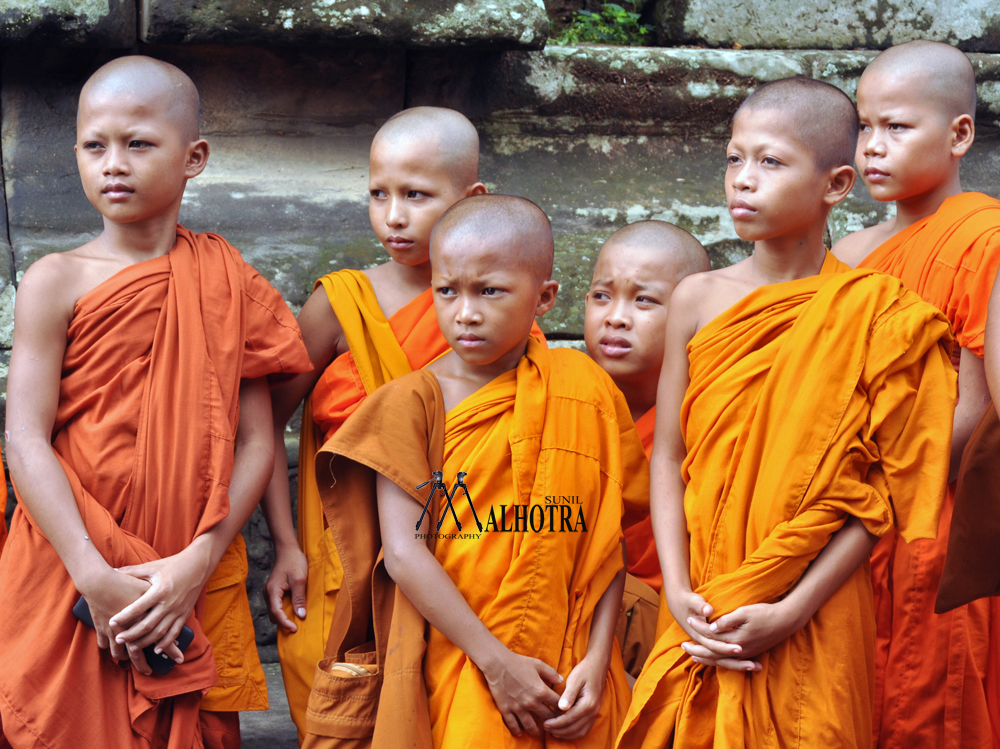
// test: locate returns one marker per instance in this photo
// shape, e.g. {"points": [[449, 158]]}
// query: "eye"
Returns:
{"points": [[732, 159], [896, 127], [770, 161], [377, 194], [646, 300], [139, 144], [445, 291], [92, 145], [865, 128], [415, 194], [490, 291], [600, 296]]}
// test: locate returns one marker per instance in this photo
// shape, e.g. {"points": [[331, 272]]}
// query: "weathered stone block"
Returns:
{"points": [[423, 23], [973, 25], [95, 23]]}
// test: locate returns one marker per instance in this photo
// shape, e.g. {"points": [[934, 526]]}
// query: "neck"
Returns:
{"points": [[415, 276], [141, 240], [784, 259], [911, 210], [639, 394]]}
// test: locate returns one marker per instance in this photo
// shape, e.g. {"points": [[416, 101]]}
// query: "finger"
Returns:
{"points": [[276, 608], [139, 660], [724, 642], [174, 653], [728, 622], [731, 664], [161, 632], [510, 720], [577, 712], [575, 730], [137, 608], [169, 637], [721, 648], [527, 721], [698, 651], [299, 596], [142, 571], [140, 628], [573, 686], [549, 675]]}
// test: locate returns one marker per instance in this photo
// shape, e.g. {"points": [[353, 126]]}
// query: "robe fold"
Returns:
{"points": [[808, 401], [932, 685], [3, 519], [380, 350], [639, 544], [144, 429], [554, 433]]}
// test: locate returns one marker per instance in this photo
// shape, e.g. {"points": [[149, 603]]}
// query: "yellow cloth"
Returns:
{"points": [[809, 401]]}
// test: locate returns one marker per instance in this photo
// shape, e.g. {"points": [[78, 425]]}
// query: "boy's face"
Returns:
{"points": [[132, 157], [904, 148], [485, 303], [773, 185], [626, 313], [409, 188]]}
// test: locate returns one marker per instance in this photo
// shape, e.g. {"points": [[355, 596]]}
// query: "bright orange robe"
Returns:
{"points": [[3, 521], [932, 685], [809, 401], [145, 429], [556, 427], [640, 546]]}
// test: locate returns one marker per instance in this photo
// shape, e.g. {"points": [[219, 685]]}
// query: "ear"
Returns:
{"points": [[963, 133], [197, 158], [840, 182], [477, 189], [547, 291]]}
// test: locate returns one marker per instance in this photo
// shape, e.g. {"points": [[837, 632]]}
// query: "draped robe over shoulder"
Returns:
{"points": [[555, 427], [932, 682], [145, 429], [639, 543], [808, 401]]}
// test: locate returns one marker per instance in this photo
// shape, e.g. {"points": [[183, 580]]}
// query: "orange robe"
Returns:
{"points": [[3, 520], [932, 686], [380, 351], [144, 429], [555, 429], [640, 546], [809, 401]]}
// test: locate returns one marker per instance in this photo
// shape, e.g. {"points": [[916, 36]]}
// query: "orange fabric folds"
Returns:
{"points": [[639, 543], [933, 680], [809, 401], [552, 437], [145, 428], [3, 520]]}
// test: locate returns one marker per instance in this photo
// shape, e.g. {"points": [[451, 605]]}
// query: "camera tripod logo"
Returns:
{"points": [[437, 485]]}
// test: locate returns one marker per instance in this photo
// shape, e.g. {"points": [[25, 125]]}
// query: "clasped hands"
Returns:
{"points": [[146, 604], [731, 641]]}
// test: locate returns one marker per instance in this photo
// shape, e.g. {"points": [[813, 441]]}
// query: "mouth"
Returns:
{"points": [[470, 341], [875, 175], [117, 191], [614, 347], [741, 209], [398, 243]]}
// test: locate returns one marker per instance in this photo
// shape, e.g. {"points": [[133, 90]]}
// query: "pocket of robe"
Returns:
{"points": [[636, 629], [345, 694]]}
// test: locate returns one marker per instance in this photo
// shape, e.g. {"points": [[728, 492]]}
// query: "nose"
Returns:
{"points": [[873, 145], [116, 161], [468, 311], [396, 216], [743, 178], [618, 317]]}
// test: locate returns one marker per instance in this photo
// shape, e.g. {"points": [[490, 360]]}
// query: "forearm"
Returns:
{"points": [[277, 502], [968, 414], [48, 497], [666, 507], [847, 550], [602, 628]]}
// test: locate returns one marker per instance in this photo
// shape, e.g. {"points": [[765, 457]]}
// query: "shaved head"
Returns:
{"points": [[516, 223], [819, 115], [680, 252], [144, 79], [935, 70], [439, 133]]}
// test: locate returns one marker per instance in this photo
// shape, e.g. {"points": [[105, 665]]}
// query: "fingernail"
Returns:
{"points": [[563, 705], [119, 639], [737, 649], [301, 613], [690, 620], [157, 650], [714, 627]]}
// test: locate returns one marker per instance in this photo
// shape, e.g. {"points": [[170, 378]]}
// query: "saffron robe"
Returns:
{"points": [[144, 429], [808, 401], [380, 350], [3, 519], [932, 685], [555, 427], [640, 546]]}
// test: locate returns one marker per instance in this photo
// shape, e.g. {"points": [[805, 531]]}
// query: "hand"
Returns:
{"points": [[692, 612], [753, 629], [580, 701], [106, 596], [290, 573], [158, 616], [521, 690]]}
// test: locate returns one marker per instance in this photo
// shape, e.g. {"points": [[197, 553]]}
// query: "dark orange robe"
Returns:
{"points": [[145, 429], [809, 401], [640, 546], [3, 520], [932, 685], [535, 587], [380, 350]]}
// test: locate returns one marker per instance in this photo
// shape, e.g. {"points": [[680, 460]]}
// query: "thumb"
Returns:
{"points": [[298, 592], [573, 685], [141, 571], [728, 622]]}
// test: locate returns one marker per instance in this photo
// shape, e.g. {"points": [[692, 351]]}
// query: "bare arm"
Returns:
{"points": [[324, 339], [519, 685], [992, 361], [41, 319], [973, 397], [177, 581]]}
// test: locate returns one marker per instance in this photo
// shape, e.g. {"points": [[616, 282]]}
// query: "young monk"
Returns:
{"points": [[139, 439], [362, 329], [797, 401], [520, 649], [917, 103], [626, 315]]}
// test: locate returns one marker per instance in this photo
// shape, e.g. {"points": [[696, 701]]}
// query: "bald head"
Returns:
{"points": [[678, 251], [819, 115], [516, 224], [158, 84], [440, 133], [937, 71]]}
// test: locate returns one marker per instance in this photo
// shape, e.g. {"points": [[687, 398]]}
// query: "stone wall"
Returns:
{"points": [[293, 91]]}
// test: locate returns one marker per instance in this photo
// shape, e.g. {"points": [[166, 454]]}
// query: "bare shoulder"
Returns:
{"points": [[54, 283], [858, 245], [706, 295], [394, 287]]}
